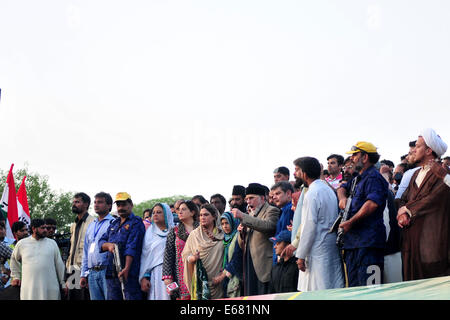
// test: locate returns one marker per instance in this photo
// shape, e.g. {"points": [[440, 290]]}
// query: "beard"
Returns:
{"points": [[40, 235], [298, 183], [347, 176], [123, 213], [242, 207], [76, 210], [255, 209], [359, 166]]}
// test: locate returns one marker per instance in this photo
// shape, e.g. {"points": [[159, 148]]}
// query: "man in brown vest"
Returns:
{"points": [[80, 206]]}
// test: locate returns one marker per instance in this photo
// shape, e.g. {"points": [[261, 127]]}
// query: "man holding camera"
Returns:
{"points": [[364, 231]]}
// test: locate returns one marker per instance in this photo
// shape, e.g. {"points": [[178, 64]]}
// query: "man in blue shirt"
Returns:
{"points": [[364, 231], [93, 267], [127, 231], [282, 196]]}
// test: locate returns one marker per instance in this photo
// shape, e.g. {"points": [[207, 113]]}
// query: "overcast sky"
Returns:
{"points": [[158, 98]]}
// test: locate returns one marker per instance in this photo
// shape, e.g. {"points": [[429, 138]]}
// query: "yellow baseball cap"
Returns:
{"points": [[363, 146], [122, 196]]}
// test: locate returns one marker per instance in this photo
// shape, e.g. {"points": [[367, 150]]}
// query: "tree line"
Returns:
{"points": [[45, 202]]}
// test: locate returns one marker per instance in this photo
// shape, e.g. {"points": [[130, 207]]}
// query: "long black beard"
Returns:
{"points": [[243, 207], [76, 210]]}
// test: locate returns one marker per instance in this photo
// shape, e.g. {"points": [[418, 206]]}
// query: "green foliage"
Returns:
{"points": [[43, 202], [139, 208]]}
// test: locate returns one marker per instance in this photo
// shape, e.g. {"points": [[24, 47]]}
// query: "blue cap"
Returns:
{"points": [[284, 235]]}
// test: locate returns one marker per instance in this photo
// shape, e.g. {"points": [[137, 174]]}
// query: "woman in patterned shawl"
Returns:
{"points": [[173, 268], [203, 256]]}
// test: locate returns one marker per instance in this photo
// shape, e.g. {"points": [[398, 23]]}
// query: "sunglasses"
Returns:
{"points": [[355, 148]]}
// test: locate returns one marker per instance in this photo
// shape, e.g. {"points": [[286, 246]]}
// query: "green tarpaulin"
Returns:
{"points": [[428, 289]]}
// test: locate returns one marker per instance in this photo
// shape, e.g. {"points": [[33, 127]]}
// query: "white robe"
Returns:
{"points": [[152, 256], [317, 246], [39, 265], [151, 261]]}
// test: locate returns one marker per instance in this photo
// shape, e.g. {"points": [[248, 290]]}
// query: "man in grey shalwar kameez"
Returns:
{"points": [[318, 255]]}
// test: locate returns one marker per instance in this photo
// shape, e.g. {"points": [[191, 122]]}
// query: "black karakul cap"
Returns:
{"points": [[238, 190], [255, 188]]}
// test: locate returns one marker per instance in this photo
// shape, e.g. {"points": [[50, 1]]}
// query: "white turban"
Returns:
{"points": [[434, 141]]}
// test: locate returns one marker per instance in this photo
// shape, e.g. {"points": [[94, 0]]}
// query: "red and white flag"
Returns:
{"points": [[8, 204], [22, 204]]}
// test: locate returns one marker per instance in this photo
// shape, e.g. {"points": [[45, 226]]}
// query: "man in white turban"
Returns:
{"points": [[424, 214], [434, 141]]}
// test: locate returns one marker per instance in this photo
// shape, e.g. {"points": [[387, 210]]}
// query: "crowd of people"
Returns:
{"points": [[360, 221]]}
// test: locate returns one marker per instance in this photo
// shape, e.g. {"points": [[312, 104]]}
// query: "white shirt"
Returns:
{"points": [[405, 182]]}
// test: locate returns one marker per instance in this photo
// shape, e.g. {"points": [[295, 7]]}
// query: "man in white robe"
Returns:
{"points": [[318, 255], [36, 265]]}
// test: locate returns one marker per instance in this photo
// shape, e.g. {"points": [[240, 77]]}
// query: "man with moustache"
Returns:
{"points": [[219, 202], [127, 232], [256, 228], [424, 214], [36, 265], [51, 227], [364, 233], [80, 206], [348, 171], [335, 164], [93, 268], [238, 198]]}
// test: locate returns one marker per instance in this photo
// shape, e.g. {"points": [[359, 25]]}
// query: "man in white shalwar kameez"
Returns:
{"points": [[36, 265], [318, 255]]}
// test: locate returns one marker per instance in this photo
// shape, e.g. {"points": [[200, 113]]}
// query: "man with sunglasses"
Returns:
{"points": [[364, 236], [51, 227]]}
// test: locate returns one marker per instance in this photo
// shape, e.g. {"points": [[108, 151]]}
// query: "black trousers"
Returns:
{"points": [[252, 285], [79, 294]]}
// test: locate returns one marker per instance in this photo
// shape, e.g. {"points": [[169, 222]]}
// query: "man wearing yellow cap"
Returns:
{"points": [[364, 231], [127, 231]]}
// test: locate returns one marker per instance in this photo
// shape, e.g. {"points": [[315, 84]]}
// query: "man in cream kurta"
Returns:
{"points": [[319, 260], [36, 265]]}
